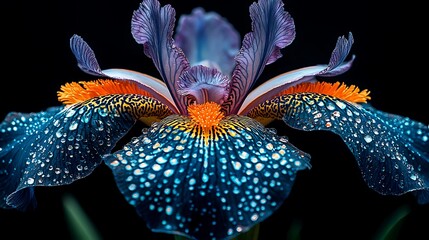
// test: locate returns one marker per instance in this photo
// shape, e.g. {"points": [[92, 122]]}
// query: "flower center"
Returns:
{"points": [[207, 116]]}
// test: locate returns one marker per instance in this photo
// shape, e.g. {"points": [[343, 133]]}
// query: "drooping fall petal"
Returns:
{"points": [[213, 186]]}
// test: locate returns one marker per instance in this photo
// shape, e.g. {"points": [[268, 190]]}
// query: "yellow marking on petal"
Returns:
{"points": [[75, 92], [206, 116], [339, 90]]}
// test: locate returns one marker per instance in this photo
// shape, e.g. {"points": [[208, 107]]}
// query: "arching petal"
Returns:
{"points": [[274, 86], [87, 62], [153, 26], [272, 29], [204, 84], [62, 144], [392, 151], [207, 37], [182, 184]]}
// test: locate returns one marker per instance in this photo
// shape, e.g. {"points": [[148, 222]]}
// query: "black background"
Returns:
{"points": [[329, 201]]}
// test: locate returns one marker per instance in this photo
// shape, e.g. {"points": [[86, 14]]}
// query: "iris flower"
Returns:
{"points": [[206, 166]]}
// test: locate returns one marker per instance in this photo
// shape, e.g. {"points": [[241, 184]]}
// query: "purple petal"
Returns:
{"points": [[85, 56], [208, 37], [152, 26], [87, 61], [273, 29], [341, 50], [274, 86], [204, 84]]}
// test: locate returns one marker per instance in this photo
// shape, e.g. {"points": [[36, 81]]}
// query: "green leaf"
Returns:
{"points": [[294, 231], [177, 237], [391, 226], [80, 226], [252, 234]]}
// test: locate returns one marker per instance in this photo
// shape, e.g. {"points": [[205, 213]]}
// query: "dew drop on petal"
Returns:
{"points": [[368, 138], [30, 180]]}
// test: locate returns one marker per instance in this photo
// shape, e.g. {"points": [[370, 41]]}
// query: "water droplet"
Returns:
{"points": [[59, 133], [330, 106], [236, 165], [103, 112], [132, 187], [30, 181], [168, 172], [161, 160], [192, 181], [259, 166], [156, 167], [205, 178], [368, 138], [169, 210]]}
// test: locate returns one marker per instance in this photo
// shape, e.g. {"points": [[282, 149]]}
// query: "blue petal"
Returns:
{"points": [[182, 185], [87, 62], [273, 29], [204, 84], [274, 86], [208, 38], [152, 26], [59, 146], [392, 151]]}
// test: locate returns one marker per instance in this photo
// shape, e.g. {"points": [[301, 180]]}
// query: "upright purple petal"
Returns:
{"points": [[208, 38], [152, 26], [273, 29], [274, 86]]}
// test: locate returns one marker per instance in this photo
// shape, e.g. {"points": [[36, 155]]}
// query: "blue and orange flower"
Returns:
{"points": [[206, 167]]}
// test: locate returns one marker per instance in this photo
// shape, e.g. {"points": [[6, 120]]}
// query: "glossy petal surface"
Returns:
{"points": [[61, 145], [391, 150], [181, 185]]}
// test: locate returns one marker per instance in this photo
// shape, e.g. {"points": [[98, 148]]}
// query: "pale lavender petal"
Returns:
{"points": [[207, 36], [273, 29], [87, 62], [274, 86], [152, 26], [204, 84]]}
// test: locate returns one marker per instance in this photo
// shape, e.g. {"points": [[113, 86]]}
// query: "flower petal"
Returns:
{"points": [[87, 62], [62, 144], [182, 184], [272, 29], [152, 26], [205, 84], [392, 151], [274, 86], [207, 37]]}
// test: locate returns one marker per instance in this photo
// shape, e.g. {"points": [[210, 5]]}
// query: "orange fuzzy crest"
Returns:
{"points": [[206, 116], [75, 92], [339, 90]]}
